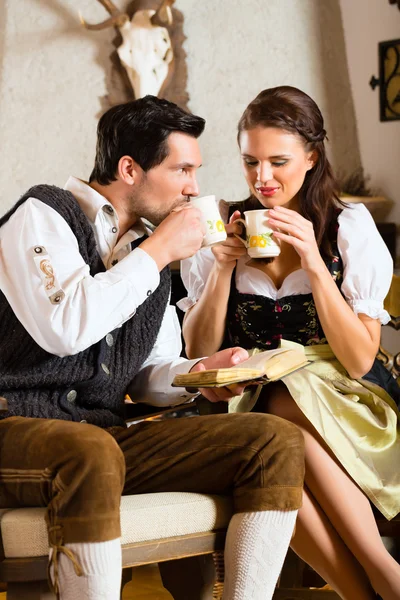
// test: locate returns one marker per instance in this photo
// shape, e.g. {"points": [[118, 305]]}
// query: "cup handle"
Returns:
{"points": [[237, 235]]}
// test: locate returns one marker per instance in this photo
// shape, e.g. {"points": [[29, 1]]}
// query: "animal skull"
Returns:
{"points": [[145, 52], [146, 49]]}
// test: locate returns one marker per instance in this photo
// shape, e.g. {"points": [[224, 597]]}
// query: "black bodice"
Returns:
{"points": [[254, 321]]}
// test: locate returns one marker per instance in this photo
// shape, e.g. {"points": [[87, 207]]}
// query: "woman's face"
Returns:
{"points": [[275, 164]]}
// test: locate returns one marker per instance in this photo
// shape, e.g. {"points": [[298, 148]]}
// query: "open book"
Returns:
{"points": [[262, 367]]}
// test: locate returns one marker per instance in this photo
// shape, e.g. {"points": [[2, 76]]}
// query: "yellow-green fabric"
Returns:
{"points": [[357, 419]]}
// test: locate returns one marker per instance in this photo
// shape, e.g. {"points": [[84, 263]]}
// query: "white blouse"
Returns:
{"points": [[367, 275]]}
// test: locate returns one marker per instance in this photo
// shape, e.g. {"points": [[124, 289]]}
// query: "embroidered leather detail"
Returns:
{"points": [[45, 269]]}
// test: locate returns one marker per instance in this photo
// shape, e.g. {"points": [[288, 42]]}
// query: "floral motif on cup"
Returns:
{"points": [[215, 226], [261, 240]]}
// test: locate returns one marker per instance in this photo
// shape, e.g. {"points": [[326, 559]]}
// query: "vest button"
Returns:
{"points": [[149, 292], [71, 396], [114, 230], [108, 208], [109, 340], [105, 369]]}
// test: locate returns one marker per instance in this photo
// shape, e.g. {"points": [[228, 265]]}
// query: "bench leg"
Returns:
{"points": [[29, 590], [126, 578], [219, 565], [189, 578]]}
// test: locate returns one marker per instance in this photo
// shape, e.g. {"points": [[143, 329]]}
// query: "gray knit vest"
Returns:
{"points": [[88, 386]]}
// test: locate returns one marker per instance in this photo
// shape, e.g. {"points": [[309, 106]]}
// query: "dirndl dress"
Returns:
{"points": [[358, 419]]}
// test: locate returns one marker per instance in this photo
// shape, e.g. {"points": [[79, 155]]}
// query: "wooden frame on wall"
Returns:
{"points": [[389, 76], [388, 80]]}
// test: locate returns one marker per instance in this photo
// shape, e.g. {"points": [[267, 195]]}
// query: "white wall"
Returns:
{"points": [[366, 23], [52, 77], [236, 49]]}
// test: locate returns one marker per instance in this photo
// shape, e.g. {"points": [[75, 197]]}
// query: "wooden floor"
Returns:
{"points": [[146, 584]]}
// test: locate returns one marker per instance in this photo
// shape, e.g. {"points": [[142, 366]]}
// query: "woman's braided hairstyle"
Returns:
{"points": [[291, 110]]}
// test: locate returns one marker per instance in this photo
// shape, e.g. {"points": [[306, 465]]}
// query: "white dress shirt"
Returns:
{"points": [[91, 307], [367, 275]]}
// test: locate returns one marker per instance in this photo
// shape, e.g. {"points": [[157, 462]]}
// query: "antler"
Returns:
{"points": [[163, 15], [117, 18]]}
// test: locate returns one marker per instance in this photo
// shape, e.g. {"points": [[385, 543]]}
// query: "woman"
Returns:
{"points": [[324, 291]]}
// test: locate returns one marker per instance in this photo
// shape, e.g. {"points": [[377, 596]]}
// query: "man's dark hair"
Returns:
{"points": [[139, 129]]}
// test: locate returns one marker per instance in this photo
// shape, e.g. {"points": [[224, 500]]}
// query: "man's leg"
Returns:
{"points": [[258, 459], [77, 471]]}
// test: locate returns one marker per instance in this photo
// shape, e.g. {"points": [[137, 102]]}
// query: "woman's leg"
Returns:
{"points": [[320, 546], [343, 503]]}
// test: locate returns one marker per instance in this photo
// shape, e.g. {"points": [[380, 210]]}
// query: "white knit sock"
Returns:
{"points": [[256, 546], [101, 565]]}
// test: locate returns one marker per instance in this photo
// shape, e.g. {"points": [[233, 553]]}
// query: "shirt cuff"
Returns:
{"points": [[184, 394], [141, 271], [181, 369]]}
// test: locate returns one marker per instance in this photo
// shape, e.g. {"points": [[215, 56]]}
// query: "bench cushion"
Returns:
{"points": [[144, 517]]}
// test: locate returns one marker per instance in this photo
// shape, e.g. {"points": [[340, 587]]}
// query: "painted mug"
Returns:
{"points": [[259, 241], [211, 218]]}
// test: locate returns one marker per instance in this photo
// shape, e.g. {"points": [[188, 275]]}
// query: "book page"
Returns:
{"points": [[281, 365], [260, 360], [269, 365]]}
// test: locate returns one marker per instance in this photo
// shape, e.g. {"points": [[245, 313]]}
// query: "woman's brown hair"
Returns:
{"points": [[292, 110]]}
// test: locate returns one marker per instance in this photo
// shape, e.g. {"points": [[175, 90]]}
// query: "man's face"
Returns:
{"points": [[166, 186]]}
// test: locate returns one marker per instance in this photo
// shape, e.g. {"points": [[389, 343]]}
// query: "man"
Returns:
{"points": [[84, 316]]}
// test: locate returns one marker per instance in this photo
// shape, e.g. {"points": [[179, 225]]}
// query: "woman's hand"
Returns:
{"points": [[299, 233], [227, 253]]}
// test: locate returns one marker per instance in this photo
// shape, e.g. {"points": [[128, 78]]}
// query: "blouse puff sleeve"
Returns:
{"points": [[196, 269], [368, 266]]}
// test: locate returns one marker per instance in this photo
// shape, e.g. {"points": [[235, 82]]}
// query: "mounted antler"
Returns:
{"points": [[146, 49], [163, 15], [117, 18]]}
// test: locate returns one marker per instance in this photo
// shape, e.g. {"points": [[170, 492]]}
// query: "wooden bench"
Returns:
{"points": [[180, 531]]}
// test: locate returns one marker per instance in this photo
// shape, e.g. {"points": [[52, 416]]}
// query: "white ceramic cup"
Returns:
{"points": [[259, 241], [211, 218]]}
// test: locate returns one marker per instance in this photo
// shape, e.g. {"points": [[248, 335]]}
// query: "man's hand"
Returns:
{"points": [[225, 358], [178, 236]]}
